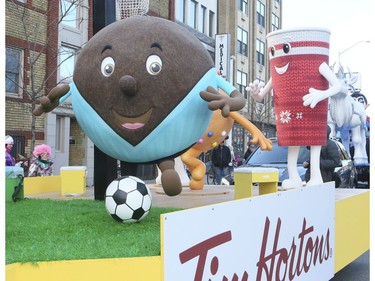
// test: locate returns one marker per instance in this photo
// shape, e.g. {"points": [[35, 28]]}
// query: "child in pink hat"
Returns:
{"points": [[41, 162]]}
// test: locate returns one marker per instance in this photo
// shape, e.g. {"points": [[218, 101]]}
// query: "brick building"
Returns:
{"points": [[42, 38]]}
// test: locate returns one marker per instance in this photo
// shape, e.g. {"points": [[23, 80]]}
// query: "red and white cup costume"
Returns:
{"points": [[295, 56]]}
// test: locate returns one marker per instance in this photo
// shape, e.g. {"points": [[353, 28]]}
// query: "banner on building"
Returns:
{"points": [[222, 54]]}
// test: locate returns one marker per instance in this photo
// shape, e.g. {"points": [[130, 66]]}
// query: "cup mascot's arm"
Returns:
{"points": [[315, 95], [52, 100], [258, 90]]}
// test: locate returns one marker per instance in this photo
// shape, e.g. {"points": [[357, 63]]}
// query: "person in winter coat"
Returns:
{"points": [[9, 160], [221, 157], [42, 162], [329, 160]]}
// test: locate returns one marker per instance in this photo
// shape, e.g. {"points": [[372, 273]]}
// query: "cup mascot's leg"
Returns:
{"points": [[294, 180], [315, 174]]}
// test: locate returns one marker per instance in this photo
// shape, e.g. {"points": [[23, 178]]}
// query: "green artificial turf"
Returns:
{"points": [[47, 230]]}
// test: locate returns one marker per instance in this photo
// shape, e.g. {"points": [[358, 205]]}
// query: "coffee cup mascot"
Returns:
{"points": [[301, 81], [143, 90]]}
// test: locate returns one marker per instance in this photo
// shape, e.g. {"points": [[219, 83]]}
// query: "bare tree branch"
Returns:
{"points": [[38, 42]]}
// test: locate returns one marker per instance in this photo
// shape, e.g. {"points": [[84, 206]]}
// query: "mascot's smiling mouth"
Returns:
{"points": [[132, 123], [282, 70]]}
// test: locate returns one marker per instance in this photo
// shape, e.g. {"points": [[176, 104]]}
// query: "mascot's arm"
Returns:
{"points": [[258, 90], [234, 102], [257, 135], [315, 95], [52, 100]]}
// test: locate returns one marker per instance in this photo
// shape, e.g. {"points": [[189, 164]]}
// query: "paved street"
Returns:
{"points": [[358, 270]]}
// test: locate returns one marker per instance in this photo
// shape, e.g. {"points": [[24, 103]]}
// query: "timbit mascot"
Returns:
{"points": [[144, 90]]}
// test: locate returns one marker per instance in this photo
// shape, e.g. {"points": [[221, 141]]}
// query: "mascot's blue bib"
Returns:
{"points": [[183, 127]]}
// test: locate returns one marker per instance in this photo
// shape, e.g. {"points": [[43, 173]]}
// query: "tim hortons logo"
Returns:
{"points": [[286, 264], [279, 264]]}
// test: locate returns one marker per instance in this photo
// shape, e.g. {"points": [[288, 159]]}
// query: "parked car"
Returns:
{"points": [[344, 176]]}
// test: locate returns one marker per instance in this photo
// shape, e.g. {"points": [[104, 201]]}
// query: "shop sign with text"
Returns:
{"points": [[222, 54]]}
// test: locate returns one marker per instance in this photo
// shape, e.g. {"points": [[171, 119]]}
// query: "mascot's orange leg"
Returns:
{"points": [[196, 167], [217, 131]]}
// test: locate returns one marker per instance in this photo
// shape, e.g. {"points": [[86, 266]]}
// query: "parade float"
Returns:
{"points": [[295, 233]]}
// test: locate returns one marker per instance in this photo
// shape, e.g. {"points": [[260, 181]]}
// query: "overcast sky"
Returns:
{"points": [[349, 22]]}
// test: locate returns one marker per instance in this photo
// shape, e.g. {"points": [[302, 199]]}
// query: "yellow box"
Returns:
{"points": [[245, 177], [35, 185], [73, 180]]}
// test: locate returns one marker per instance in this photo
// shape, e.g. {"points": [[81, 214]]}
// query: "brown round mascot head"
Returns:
{"points": [[136, 71]]}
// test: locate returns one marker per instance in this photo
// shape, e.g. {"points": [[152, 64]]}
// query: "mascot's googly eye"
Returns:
{"points": [[108, 66], [272, 51], [153, 64], [287, 48]]}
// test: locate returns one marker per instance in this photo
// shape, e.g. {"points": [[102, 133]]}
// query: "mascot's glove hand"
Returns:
{"points": [[255, 88], [216, 100], [51, 101], [314, 97]]}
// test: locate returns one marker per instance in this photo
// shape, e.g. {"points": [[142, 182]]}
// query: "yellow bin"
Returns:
{"points": [[73, 180], [245, 177]]}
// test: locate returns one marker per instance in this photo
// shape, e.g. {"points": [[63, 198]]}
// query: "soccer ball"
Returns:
{"points": [[128, 199]]}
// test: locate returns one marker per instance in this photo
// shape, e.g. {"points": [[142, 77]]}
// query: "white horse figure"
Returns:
{"points": [[347, 115]]}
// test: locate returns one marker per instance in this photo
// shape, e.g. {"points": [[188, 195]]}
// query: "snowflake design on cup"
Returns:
{"points": [[285, 116], [299, 115]]}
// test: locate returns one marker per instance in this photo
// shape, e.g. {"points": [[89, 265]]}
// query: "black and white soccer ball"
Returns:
{"points": [[128, 199]]}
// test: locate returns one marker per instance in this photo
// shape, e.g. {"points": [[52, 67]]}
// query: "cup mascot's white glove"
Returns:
{"points": [[258, 89]]}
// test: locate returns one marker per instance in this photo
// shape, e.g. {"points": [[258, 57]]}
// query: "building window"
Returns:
{"points": [[211, 19], [275, 22], [260, 48], [59, 133], [243, 6], [67, 61], [260, 13], [193, 14], [242, 82], [203, 19], [70, 13], [13, 71], [242, 41], [180, 10]]}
